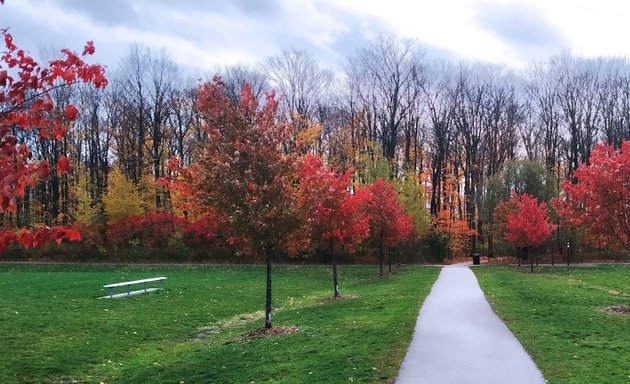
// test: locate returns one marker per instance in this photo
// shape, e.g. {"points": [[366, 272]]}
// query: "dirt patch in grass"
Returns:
{"points": [[205, 331], [340, 298], [274, 331], [237, 320], [620, 309]]}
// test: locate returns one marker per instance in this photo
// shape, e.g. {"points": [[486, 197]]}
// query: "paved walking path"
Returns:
{"points": [[460, 340]]}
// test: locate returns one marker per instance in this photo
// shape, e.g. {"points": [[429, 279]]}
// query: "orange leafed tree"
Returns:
{"points": [[27, 105], [599, 200], [456, 231]]}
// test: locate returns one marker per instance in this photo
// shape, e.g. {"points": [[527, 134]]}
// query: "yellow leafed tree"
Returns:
{"points": [[124, 199], [86, 210]]}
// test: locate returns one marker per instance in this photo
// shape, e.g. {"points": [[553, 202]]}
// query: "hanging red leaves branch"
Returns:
{"points": [[26, 104]]}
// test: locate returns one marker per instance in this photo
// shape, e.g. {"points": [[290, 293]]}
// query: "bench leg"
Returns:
{"points": [[111, 294], [145, 287]]}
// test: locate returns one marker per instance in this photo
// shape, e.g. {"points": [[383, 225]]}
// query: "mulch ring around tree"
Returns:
{"points": [[274, 331], [620, 309]]}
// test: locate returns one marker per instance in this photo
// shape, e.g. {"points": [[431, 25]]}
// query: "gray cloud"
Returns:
{"points": [[109, 12], [523, 27]]}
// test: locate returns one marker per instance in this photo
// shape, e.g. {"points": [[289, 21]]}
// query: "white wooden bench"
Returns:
{"points": [[129, 284]]}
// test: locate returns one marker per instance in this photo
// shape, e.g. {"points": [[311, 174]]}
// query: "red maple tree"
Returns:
{"points": [[389, 224], [522, 220], [246, 172], [527, 225], [599, 200], [26, 104], [332, 217]]}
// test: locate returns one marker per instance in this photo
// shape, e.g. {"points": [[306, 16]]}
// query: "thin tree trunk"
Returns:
{"points": [[531, 258], [268, 252], [334, 270], [380, 254]]}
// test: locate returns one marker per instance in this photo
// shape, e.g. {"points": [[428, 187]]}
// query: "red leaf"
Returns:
{"points": [[63, 165], [71, 112], [88, 49]]}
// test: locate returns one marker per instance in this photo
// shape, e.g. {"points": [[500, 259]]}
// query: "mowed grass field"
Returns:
{"points": [[54, 330], [557, 313]]}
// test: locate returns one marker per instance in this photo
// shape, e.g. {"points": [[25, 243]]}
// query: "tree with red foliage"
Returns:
{"points": [[389, 224], [599, 200], [527, 225], [331, 213], [26, 104], [246, 173]]}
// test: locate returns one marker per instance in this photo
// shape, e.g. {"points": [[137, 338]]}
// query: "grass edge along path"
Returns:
{"points": [[56, 331], [557, 314]]}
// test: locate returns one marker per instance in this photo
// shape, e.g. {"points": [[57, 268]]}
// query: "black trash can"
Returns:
{"points": [[475, 257]]}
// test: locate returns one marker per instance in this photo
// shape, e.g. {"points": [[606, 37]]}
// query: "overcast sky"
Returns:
{"points": [[203, 35]]}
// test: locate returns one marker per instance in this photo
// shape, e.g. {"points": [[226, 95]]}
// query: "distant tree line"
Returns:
{"points": [[463, 132]]}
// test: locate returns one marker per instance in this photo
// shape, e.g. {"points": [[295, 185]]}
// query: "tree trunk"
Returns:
{"points": [[334, 269], [268, 253], [491, 243], [531, 258], [380, 255], [380, 259]]}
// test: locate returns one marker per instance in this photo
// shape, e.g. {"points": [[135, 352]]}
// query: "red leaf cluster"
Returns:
{"points": [[389, 224], [528, 224], [599, 200], [246, 171], [38, 237], [331, 215], [27, 105], [156, 230]]}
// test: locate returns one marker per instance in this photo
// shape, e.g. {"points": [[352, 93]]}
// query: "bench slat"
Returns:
{"points": [[126, 283], [132, 293]]}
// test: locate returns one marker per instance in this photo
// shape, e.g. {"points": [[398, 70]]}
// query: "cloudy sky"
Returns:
{"points": [[203, 35]]}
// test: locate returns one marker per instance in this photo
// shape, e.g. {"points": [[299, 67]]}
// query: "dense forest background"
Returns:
{"points": [[455, 137]]}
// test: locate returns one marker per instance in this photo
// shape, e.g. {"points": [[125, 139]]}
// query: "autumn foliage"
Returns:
{"points": [[246, 172], [158, 229], [598, 201], [455, 231], [27, 105], [331, 214], [527, 224], [389, 224]]}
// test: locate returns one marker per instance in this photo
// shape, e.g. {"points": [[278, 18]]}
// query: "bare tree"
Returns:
{"points": [[390, 68], [299, 79], [236, 76], [578, 81], [436, 96]]}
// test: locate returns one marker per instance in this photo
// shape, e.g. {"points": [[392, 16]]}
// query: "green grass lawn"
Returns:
{"points": [[557, 314], [54, 330]]}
